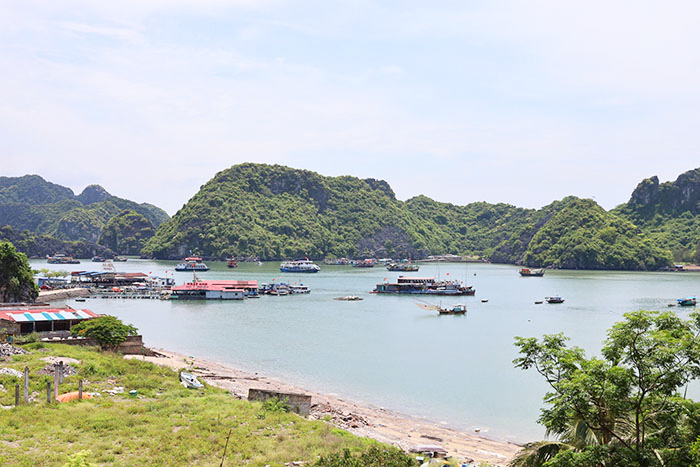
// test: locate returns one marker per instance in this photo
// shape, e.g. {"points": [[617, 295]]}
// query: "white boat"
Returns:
{"points": [[299, 265], [190, 381]]}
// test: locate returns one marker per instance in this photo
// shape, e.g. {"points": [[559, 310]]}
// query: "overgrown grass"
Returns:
{"points": [[165, 424]]}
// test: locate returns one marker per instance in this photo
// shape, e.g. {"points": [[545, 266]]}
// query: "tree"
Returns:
{"points": [[625, 406], [109, 331], [16, 279]]}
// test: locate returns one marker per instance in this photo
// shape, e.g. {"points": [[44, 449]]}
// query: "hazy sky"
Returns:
{"points": [[522, 102]]}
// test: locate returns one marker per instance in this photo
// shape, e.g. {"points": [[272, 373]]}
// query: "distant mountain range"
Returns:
{"points": [[35, 206], [275, 212]]}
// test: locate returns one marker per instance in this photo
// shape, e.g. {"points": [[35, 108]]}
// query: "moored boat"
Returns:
{"points": [[299, 265], [366, 263], [402, 267], [98, 259], [554, 299], [231, 262], [527, 272], [424, 286], [62, 259], [457, 309], [687, 301], [192, 263]]}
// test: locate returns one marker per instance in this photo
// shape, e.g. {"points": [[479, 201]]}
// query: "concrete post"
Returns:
{"points": [[55, 383], [26, 384], [80, 390]]}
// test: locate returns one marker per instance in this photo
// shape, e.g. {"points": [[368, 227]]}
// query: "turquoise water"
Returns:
{"points": [[386, 351]]}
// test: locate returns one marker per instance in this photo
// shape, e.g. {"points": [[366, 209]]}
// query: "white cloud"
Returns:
{"points": [[478, 101]]}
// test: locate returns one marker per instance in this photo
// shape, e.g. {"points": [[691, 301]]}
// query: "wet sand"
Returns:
{"points": [[362, 420]]}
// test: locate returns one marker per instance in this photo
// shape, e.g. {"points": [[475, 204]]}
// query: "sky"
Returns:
{"points": [[462, 101]]}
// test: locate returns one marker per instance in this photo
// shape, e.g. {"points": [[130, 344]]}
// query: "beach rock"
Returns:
{"points": [[7, 350]]}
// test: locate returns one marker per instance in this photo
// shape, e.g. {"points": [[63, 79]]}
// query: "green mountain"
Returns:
{"points": [[43, 208], [40, 246], [276, 212], [127, 233], [669, 213]]}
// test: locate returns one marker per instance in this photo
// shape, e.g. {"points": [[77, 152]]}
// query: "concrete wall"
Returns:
{"points": [[299, 403], [132, 346]]}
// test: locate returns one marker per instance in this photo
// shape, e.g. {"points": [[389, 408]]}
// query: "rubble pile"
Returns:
{"points": [[7, 350]]}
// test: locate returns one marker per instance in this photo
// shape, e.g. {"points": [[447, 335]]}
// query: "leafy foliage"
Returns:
{"points": [[624, 408], [45, 208], [109, 331], [39, 246], [275, 212], [669, 213], [373, 457], [582, 235], [16, 279], [126, 233]]}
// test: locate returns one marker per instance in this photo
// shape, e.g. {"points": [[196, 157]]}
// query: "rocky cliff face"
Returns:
{"points": [[651, 197]]}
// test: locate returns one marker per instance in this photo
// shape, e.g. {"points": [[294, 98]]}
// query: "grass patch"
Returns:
{"points": [[165, 424]]}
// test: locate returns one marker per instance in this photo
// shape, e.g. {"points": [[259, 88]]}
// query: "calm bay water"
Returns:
{"points": [[386, 351]]}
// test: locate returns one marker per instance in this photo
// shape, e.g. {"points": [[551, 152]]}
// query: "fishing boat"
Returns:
{"points": [[98, 259], [190, 381], [62, 259], [402, 267], [366, 263], [527, 272], [457, 309], [299, 288], [299, 265], [554, 299], [424, 286], [192, 263], [687, 301], [349, 298], [231, 262], [120, 259]]}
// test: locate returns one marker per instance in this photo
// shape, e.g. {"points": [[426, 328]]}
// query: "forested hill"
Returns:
{"points": [[669, 213], [276, 212], [30, 203]]}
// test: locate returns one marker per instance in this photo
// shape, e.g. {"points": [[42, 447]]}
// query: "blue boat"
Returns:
{"points": [[687, 301]]}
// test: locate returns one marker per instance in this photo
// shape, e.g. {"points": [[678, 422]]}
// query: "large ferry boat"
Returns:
{"points": [[299, 265], [424, 286], [62, 259], [192, 263]]}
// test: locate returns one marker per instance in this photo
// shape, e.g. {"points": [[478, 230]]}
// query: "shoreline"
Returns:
{"points": [[401, 430]]}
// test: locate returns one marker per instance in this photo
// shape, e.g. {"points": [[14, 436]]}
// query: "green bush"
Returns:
{"points": [[109, 331]]}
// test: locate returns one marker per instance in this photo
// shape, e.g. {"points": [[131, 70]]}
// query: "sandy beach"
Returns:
{"points": [[360, 419]]}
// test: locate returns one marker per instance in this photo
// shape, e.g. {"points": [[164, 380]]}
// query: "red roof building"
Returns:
{"points": [[28, 319]]}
